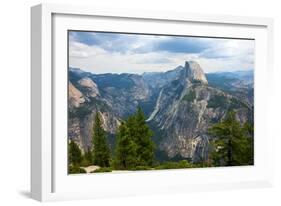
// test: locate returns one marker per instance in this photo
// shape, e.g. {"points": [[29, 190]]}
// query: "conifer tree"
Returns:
{"points": [[233, 143], [247, 157], [142, 135], [74, 154], [101, 151], [125, 153], [88, 156], [134, 145]]}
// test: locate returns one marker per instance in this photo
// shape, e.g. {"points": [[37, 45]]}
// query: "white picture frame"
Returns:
{"points": [[49, 23]]}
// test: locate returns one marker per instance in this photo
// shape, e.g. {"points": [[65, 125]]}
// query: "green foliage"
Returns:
{"points": [[75, 170], [235, 104], [174, 165], [125, 154], [142, 135], [217, 101], [87, 158], [190, 96], [74, 153], [233, 143], [101, 151], [142, 168], [134, 146], [102, 169]]}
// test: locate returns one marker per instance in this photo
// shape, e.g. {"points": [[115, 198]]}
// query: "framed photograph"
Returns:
{"points": [[136, 102]]}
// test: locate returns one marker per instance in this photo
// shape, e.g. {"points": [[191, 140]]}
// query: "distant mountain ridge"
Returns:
{"points": [[180, 105]]}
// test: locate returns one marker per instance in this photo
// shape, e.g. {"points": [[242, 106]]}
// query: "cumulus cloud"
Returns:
{"points": [[100, 52]]}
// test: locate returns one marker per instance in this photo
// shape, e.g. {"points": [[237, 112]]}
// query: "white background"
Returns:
{"points": [[15, 108]]}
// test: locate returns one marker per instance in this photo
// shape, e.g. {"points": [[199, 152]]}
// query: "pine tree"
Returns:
{"points": [[74, 154], [142, 135], [125, 153], [89, 156], [247, 157], [134, 145], [233, 143], [101, 151]]}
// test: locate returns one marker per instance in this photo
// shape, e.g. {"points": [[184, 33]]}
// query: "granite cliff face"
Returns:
{"points": [[180, 104], [194, 72], [185, 109]]}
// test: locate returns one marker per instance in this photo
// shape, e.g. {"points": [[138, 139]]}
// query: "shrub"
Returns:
{"points": [[76, 170], [85, 162], [174, 165], [184, 164], [74, 153], [142, 168]]}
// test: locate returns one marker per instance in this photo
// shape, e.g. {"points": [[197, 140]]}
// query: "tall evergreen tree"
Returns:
{"points": [[101, 151], [142, 135], [134, 145], [125, 153], [233, 143], [89, 156], [74, 154]]}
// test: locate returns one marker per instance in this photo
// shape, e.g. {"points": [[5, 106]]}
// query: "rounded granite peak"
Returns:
{"points": [[195, 72]]}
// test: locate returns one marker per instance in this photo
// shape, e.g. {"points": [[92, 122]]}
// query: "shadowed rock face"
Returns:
{"points": [[180, 106], [194, 72], [81, 129], [185, 110], [184, 119]]}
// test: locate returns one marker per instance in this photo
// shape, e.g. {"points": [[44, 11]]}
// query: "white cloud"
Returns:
{"points": [[80, 50], [221, 55]]}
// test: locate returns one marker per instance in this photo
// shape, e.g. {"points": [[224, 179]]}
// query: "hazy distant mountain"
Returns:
{"points": [[239, 84], [180, 104]]}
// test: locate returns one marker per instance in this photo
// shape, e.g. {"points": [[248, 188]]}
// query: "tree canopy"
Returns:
{"points": [[74, 153], [232, 143], [101, 151], [134, 145]]}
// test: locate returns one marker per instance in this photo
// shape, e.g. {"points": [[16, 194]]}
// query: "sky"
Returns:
{"points": [[100, 52]]}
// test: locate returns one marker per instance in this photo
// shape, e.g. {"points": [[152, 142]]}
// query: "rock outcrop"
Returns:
{"points": [[75, 96], [89, 84], [195, 72], [180, 105]]}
